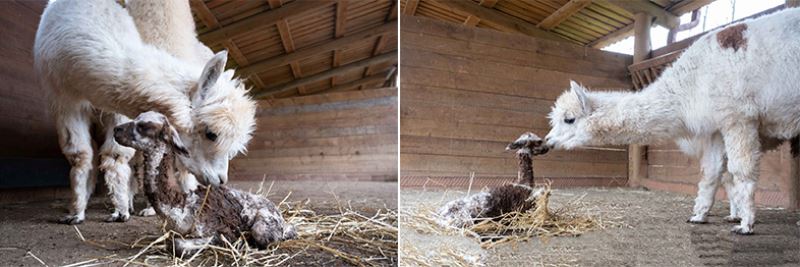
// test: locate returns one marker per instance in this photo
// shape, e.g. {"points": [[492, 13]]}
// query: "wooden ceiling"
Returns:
{"points": [[300, 47], [595, 23]]}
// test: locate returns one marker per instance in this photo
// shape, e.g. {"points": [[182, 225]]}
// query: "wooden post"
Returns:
{"points": [[637, 163], [793, 190], [792, 3]]}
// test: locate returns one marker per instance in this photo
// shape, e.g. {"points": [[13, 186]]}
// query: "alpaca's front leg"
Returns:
{"points": [[72, 123], [269, 227], [712, 164], [744, 152], [115, 164]]}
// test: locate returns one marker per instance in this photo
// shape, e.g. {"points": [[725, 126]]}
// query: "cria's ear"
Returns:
{"points": [[171, 136], [580, 92], [211, 73]]}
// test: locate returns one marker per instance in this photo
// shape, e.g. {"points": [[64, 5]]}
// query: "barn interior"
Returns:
{"points": [[323, 73], [476, 74]]}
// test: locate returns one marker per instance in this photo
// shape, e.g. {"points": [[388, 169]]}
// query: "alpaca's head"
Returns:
{"points": [[569, 119], [223, 120], [150, 132], [530, 143]]}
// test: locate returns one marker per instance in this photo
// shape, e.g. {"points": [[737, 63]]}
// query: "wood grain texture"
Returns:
{"points": [[467, 92], [341, 136]]}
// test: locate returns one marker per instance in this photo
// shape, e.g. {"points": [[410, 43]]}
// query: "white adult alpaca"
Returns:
{"points": [[89, 55], [167, 25], [729, 93]]}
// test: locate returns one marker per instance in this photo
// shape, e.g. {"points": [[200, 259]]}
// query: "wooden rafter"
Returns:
{"points": [[339, 30], [505, 22], [687, 6], [353, 85], [266, 18], [488, 3], [380, 45], [339, 43], [211, 22], [471, 21], [388, 57], [411, 7], [613, 37], [563, 13], [662, 17], [392, 11], [288, 46]]}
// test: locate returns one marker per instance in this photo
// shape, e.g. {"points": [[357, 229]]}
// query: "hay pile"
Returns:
{"points": [[348, 237], [542, 222]]}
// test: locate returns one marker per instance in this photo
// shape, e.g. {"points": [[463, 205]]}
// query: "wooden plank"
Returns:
{"points": [[613, 37], [662, 17], [266, 18], [563, 13], [339, 43], [488, 3], [391, 56], [393, 7], [456, 165], [687, 6], [411, 7], [506, 22], [471, 21]]}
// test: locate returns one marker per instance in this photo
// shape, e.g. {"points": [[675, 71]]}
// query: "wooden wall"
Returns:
{"points": [[29, 153], [669, 169], [337, 136], [467, 92]]}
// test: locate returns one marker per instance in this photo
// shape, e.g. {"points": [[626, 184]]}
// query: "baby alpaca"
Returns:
{"points": [[499, 200], [207, 212], [527, 146]]}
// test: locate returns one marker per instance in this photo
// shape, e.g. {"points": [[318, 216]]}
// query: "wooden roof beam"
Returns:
{"points": [[390, 57], [613, 37], [563, 13], [288, 46], [392, 11], [687, 6], [375, 78], [506, 22], [266, 18], [488, 3], [339, 43], [339, 30], [662, 17], [471, 21], [411, 7]]}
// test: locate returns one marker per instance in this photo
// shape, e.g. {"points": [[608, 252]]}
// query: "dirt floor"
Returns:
{"points": [[653, 232], [29, 230]]}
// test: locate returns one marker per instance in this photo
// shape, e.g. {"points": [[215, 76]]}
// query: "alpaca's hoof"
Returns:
{"points": [[147, 212], [732, 219], [742, 230], [117, 217], [71, 219], [697, 220]]}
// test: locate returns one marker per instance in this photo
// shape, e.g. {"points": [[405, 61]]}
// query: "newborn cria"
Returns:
{"points": [[207, 212], [499, 200]]}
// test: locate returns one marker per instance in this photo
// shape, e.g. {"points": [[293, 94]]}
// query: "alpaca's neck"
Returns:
{"points": [[158, 165], [525, 172], [153, 80], [646, 117]]}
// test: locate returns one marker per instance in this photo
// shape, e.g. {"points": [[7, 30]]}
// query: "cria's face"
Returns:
{"points": [[147, 132], [530, 141], [568, 120]]}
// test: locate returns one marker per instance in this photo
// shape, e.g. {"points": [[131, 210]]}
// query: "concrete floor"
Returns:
{"points": [[656, 234], [31, 226]]}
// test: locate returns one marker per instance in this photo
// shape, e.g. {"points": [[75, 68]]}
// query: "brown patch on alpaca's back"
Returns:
{"points": [[507, 198], [221, 213], [733, 37]]}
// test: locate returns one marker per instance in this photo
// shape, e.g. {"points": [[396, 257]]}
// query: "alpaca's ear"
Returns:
{"points": [[580, 92], [172, 137], [211, 74]]}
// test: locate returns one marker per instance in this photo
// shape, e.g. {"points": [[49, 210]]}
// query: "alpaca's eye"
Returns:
{"points": [[569, 121], [211, 136]]}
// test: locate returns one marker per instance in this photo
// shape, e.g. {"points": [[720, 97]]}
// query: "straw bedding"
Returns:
{"points": [[344, 238]]}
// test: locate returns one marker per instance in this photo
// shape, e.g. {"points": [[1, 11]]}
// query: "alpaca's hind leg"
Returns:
{"points": [[744, 153], [73, 121], [114, 162], [712, 163]]}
